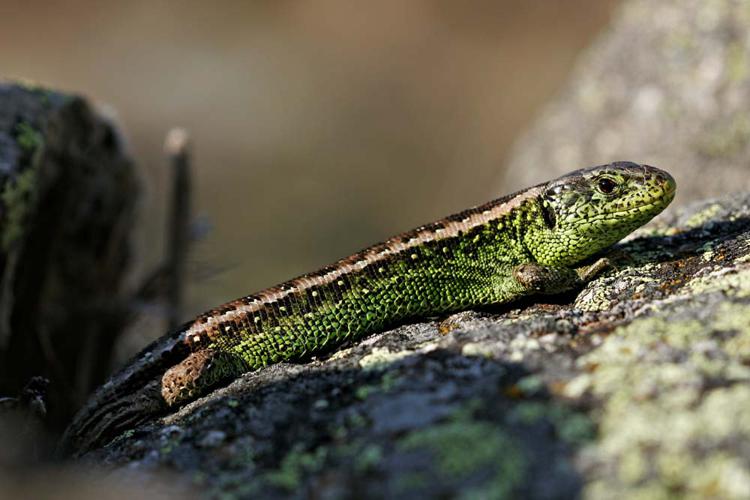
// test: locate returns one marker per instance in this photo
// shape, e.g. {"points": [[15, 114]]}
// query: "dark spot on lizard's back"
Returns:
{"points": [[284, 307], [373, 272], [313, 295], [303, 307], [343, 284], [193, 341], [460, 216], [320, 272], [248, 299], [435, 226]]}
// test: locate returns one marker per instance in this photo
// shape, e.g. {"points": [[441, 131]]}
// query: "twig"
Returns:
{"points": [[176, 147]]}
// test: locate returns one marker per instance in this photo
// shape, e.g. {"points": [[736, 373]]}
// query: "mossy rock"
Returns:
{"points": [[67, 194]]}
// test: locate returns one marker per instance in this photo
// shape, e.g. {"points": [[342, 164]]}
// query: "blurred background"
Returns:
{"points": [[318, 127]]}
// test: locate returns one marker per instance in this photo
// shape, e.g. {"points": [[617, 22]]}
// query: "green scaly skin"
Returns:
{"points": [[523, 244]]}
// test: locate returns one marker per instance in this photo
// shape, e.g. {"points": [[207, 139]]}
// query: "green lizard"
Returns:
{"points": [[526, 243]]}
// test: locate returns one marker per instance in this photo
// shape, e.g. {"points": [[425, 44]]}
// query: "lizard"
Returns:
{"points": [[534, 241]]}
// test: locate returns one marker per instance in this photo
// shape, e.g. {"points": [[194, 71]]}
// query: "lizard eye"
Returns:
{"points": [[606, 185]]}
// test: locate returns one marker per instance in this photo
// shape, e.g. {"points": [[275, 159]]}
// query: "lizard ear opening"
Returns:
{"points": [[548, 214]]}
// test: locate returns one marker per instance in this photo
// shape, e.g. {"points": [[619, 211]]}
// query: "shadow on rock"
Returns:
{"points": [[431, 424]]}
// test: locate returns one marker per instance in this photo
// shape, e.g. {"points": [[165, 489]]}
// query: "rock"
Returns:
{"points": [[67, 192], [668, 84], [638, 385]]}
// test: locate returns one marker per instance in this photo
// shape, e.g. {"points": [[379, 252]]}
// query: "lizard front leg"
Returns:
{"points": [[539, 279]]}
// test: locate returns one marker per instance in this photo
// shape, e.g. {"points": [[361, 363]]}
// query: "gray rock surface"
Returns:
{"points": [[638, 386]]}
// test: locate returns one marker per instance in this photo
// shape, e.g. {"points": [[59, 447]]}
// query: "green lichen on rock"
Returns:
{"points": [[296, 463], [673, 384], [700, 217], [736, 284], [670, 388], [17, 198], [462, 448], [571, 426], [382, 357], [600, 297], [18, 194], [28, 138]]}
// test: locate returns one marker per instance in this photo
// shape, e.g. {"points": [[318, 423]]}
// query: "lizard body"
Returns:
{"points": [[526, 243]]}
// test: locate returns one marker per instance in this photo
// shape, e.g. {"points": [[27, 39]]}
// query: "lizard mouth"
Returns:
{"points": [[655, 204], [649, 209]]}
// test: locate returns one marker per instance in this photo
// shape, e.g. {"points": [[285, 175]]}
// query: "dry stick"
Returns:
{"points": [[176, 148]]}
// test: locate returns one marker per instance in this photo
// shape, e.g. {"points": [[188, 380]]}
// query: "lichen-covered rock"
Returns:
{"points": [[668, 84], [638, 386]]}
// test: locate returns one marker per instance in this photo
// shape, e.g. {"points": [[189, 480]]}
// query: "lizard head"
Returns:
{"points": [[588, 210]]}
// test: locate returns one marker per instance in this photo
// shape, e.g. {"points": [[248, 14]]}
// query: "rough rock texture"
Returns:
{"points": [[638, 386], [668, 84], [67, 191]]}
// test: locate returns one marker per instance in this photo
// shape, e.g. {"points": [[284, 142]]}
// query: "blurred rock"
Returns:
{"points": [[67, 192], [22, 434], [79, 484], [669, 85]]}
